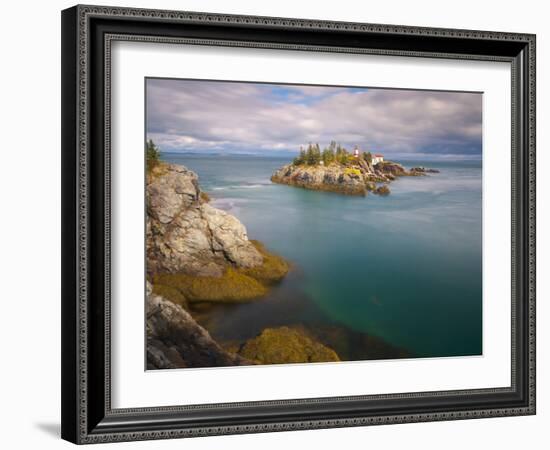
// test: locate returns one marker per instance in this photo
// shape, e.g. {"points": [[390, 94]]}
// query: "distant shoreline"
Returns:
{"points": [[288, 155]]}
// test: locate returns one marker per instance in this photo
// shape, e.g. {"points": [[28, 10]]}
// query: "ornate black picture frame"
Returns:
{"points": [[87, 34]]}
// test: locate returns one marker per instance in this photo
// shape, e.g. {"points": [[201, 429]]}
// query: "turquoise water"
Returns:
{"points": [[406, 268]]}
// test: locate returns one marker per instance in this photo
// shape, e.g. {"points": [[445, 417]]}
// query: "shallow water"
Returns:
{"points": [[405, 268]]}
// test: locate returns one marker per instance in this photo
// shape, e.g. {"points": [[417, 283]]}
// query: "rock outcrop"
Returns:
{"points": [[354, 178], [176, 340], [187, 235], [197, 253], [382, 190], [392, 168], [331, 178], [421, 169]]}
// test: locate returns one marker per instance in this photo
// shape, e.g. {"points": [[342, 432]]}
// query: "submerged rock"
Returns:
{"points": [[356, 346], [285, 345]]}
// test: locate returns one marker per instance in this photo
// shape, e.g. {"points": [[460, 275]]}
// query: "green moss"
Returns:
{"points": [[232, 286], [273, 269], [171, 293], [285, 345]]}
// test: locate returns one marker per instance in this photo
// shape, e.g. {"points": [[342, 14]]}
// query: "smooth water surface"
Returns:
{"points": [[406, 268]]}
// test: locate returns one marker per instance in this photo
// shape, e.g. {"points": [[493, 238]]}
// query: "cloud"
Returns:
{"points": [[188, 115]]}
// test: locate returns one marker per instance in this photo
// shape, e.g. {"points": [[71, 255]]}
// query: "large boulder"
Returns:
{"points": [[391, 168], [185, 234], [228, 236], [175, 339]]}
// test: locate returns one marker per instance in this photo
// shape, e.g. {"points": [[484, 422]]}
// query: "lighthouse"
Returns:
{"points": [[356, 152]]}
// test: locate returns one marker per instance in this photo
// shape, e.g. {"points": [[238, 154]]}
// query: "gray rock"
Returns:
{"points": [[390, 168], [423, 170], [175, 339], [185, 235], [228, 235], [332, 178]]}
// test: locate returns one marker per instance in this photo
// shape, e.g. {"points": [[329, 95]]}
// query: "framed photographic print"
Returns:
{"points": [[281, 224]]}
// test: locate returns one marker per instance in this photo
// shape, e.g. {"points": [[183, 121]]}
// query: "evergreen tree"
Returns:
{"points": [[313, 154], [328, 155], [152, 154], [310, 157], [316, 154], [301, 158], [341, 154]]}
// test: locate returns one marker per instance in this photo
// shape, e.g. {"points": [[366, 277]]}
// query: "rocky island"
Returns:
{"points": [[336, 170]]}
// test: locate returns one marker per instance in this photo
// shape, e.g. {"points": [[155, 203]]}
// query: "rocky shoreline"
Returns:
{"points": [[175, 340], [356, 176], [199, 255], [185, 234]]}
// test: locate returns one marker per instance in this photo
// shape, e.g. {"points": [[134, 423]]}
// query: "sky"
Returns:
{"points": [[256, 118]]}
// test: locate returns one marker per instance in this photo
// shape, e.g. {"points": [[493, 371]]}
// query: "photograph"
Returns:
{"points": [[273, 222], [291, 223]]}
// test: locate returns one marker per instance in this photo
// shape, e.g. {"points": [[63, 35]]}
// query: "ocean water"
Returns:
{"points": [[406, 268]]}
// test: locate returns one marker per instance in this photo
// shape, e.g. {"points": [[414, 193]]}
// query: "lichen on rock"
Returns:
{"points": [[171, 293], [232, 286], [285, 345], [273, 268], [235, 285]]}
